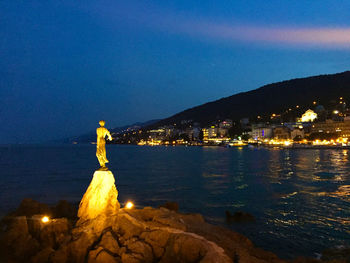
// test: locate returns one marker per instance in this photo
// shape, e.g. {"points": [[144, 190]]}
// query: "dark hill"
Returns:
{"points": [[268, 99]]}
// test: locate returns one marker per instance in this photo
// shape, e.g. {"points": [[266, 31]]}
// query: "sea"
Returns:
{"points": [[300, 198]]}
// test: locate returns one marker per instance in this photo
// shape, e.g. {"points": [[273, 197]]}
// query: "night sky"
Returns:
{"points": [[64, 65]]}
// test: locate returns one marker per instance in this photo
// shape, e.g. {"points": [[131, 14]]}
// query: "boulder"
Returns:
{"points": [[183, 248], [17, 241], [55, 233], [174, 206], [100, 255], [109, 243], [340, 254], [127, 226], [60, 256], [43, 255], [131, 258], [140, 249], [100, 198], [157, 239], [65, 209], [79, 247], [30, 207], [239, 217]]}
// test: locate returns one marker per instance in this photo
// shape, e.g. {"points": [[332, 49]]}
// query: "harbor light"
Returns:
{"points": [[45, 219], [129, 205], [287, 143]]}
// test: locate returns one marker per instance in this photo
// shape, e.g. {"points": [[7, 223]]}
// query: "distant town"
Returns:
{"points": [[314, 127]]}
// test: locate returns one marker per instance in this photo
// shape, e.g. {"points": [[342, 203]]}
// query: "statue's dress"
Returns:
{"points": [[101, 149]]}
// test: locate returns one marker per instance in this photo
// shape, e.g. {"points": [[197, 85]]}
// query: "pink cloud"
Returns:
{"points": [[291, 36]]}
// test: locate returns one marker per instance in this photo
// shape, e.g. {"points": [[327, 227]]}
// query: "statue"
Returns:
{"points": [[102, 132], [101, 198]]}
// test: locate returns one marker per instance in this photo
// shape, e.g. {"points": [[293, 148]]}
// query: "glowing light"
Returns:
{"points": [[45, 219], [308, 116], [129, 205], [287, 143], [314, 102], [335, 112]]}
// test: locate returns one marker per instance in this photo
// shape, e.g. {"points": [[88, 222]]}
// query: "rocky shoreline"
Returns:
{"points": [[130, 236]]}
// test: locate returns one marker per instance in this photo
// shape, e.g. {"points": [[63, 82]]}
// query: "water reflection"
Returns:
{"points": [[310, 194]]}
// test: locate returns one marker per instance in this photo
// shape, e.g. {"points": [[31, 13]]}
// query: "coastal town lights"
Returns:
{"points": [[287, 143]]}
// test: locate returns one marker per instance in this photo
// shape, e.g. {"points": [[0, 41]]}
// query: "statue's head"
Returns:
{"points": [[102, 123]]}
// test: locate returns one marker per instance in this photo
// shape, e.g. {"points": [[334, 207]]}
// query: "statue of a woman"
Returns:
{"points": [[102, 132]]}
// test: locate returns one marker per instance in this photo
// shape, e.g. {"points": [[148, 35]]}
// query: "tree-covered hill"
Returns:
{"points": [[272, 98]]}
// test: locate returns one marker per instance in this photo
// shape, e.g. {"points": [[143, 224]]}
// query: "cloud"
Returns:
{"points": [[300, 36]]}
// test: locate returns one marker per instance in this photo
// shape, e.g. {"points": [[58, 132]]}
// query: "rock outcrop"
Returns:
{"points": [[239, 217], [134, 235], [130, 236], [100, 198]]}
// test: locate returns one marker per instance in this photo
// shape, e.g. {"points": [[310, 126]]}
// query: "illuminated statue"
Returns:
{"points": [[101, 197], [102, 132]]}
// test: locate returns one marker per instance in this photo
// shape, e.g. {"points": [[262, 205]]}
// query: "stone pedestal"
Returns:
{"points": [[100, 199]]}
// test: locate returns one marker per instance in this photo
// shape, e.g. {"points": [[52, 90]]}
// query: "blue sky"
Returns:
{"points": [[66, 64]]}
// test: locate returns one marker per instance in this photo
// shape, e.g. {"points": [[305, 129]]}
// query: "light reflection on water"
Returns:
{"points": [[300, 198]]}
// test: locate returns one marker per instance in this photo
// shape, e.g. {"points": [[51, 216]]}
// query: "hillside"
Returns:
{"points": [[272, 98]]}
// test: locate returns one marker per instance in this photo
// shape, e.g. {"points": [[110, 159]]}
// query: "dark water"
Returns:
{"points": [[300, 198]]}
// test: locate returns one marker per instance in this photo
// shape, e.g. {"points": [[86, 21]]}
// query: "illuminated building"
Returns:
{"points": [[226, 124], [299, 133], [212, 132], [222, 132], [342, 128], [169, 131], [192, 133], [281, 133], [261, 132], [205, 134], [308, 116], [157, 134]]}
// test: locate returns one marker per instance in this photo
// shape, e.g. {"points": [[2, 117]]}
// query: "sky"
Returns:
{"points": [[64, 65]]}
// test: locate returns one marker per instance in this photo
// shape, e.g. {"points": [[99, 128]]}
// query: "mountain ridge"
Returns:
{"points": [[269, 98]]}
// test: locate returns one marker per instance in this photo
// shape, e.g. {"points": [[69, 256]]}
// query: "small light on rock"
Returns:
{"points": [[45, 219], [129, 205]]}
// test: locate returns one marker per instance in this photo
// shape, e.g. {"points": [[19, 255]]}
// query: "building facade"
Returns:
{"points": [[342, 128], [258, 133]]}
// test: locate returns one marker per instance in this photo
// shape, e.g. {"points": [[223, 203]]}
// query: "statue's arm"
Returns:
{"points": [[109, 135]]}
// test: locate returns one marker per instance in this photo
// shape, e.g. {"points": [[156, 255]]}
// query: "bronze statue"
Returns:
{"points": [[102, 132]]}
